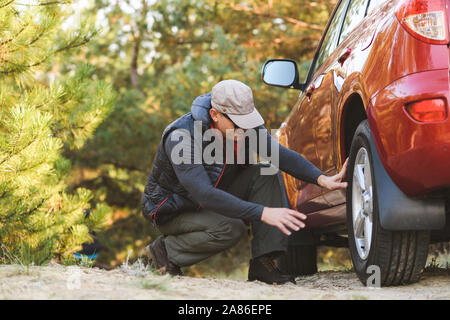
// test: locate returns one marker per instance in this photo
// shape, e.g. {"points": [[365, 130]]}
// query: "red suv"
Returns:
{"points": [[377, 92]]}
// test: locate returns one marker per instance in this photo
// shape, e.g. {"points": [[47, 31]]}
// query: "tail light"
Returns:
{"points": [[425, 19], [428, 110]]}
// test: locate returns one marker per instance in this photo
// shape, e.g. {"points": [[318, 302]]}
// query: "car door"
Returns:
{"points": [[325, 99], [311, 111]]}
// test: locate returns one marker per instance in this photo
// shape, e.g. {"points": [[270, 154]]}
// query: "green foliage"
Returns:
{"points": [[40, 113]]}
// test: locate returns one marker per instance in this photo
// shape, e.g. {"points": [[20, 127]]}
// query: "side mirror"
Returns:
{"points": [[281, 73]]}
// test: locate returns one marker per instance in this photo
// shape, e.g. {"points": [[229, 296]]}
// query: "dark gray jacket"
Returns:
{"points": [[175, 188]]}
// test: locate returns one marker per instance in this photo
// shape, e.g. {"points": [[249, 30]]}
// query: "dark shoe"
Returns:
{"points": [[264, 269], [156, 251]]}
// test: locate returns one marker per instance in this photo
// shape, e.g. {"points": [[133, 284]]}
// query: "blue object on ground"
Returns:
{"points": [[88, 256]]}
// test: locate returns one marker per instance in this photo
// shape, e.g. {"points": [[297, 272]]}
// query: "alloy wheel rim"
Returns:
{"points": [[362, 203]]}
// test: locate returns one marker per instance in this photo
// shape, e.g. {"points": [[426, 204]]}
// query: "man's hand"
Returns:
{"points": [[334, 182], [283, 218]]}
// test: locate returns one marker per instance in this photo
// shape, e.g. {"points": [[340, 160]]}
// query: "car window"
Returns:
{"points": [[355, 13], [330, 41], [374, 4]]}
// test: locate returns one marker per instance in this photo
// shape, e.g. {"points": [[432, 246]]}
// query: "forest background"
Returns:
{"points": [[111, 74]]}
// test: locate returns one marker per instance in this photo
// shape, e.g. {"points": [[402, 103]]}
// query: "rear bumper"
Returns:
{"points": [[415, 155]]}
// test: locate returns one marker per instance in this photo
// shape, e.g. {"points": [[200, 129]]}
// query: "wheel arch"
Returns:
{"points": [[353, 112]]}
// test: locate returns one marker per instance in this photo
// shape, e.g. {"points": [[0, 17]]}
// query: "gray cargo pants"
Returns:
{"points": [[194, 236]]}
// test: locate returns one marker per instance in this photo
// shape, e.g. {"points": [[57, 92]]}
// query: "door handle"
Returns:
{"points": [[344, 56]]}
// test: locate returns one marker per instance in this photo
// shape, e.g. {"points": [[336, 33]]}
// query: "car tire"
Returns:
{"points": [[399, 255], [299, 260]]}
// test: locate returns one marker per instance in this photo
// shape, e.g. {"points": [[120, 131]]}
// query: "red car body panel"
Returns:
{"points": [[387, 68], [415, 154]]}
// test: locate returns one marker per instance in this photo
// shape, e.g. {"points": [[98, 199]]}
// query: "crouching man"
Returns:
{"points": [[205, 183]]}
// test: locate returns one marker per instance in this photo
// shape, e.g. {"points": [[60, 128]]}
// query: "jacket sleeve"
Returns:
{"points": [[194, 178], [290, 161]]}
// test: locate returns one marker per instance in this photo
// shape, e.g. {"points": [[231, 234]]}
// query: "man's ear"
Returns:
{"points": [[214, 113]]}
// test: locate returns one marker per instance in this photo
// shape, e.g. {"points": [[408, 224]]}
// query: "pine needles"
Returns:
{"points": [[39, 117]]}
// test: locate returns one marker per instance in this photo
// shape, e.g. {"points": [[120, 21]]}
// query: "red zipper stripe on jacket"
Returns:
{"points": [[223, 169], [154, 213]]}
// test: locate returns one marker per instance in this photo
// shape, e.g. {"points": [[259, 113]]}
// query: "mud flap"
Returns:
{"points": [[398, 211]]}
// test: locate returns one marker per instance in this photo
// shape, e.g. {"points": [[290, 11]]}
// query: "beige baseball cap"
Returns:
{"points": [[235, 99]]}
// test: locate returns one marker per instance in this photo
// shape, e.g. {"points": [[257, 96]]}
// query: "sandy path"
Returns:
{"points": [[60, 282]]}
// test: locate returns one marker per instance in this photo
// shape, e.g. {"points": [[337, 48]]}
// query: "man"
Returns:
{"points": [[200, 206]]}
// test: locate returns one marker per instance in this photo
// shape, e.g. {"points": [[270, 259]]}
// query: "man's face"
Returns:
{"points": [[224, 125]]}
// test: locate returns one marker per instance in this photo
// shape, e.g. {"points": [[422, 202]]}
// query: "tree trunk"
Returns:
{"points": [[134, 63]]}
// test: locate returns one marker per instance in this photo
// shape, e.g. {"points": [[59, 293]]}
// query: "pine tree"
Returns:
{"points": [[41, 113]]}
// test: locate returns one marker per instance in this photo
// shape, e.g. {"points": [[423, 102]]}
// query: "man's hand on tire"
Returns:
{"points": [[334, 182], [283, 218]]}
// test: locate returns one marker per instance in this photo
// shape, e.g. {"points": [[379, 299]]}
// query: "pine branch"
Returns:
{"points": [[15, 36], [36, 165], [7, 218], [6, 4], [39, 62], [33, 41], [22, 66], [41, 3], [11, 154], [73, 44]]}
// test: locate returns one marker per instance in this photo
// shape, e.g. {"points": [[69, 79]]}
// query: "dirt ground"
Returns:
{"points": [[136, 282]]}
